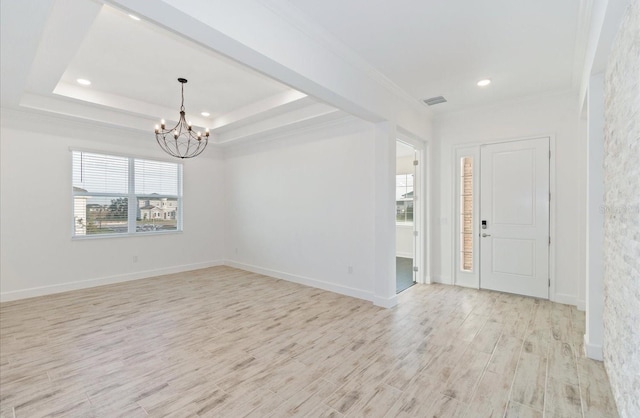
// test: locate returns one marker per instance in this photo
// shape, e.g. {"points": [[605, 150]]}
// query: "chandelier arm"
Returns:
{"points": [[165, 146]]}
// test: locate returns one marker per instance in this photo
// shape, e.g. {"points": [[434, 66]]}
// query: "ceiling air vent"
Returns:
{"points": [[435, 100]]}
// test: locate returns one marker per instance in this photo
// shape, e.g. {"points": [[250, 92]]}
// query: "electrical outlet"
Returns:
{"points": [[135, 258]]}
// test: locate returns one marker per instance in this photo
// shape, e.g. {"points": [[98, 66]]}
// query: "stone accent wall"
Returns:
{"points": [[622, 215]]}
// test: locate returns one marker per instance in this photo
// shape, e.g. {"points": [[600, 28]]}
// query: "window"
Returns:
{"points": [[404, 198], [466, 214], [115, 195]]}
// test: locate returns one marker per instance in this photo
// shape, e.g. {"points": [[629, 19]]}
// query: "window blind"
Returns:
{"points": [[115, 195]]}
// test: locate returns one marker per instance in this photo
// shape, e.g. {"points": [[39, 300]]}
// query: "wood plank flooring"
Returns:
{"points": [[222, 342]]}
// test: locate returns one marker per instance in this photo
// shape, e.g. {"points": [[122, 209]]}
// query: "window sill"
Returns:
{"points": [[127, 235]]}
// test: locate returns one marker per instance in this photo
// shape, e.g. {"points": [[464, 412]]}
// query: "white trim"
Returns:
{"points": [[101, 281], [421, 256], [442, 280], [560, 298], [125, 155], [308, 281], [564, 298], [466, 278], [552, 222], [581, 305], [593, 351], [404, 255], [131, 195], [385, 303], [427, 189]]}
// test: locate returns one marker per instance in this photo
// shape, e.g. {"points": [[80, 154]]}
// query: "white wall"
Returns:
{"points": [[302, 208], [37, 253], [555, 115], [622, 215]]}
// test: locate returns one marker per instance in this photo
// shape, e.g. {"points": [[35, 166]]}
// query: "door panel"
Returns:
{"points": [[514, 202]]}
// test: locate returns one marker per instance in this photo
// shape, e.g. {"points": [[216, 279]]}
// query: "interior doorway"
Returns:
{"points": [[407, 182]]}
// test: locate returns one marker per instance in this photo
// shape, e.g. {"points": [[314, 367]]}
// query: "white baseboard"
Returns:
{"points": [[467, 280], [593, 351], [467, 284], [581, 305], [404, 255], [307, 281], [84, 284], [564, 299], [441, 280], [385, 302]]}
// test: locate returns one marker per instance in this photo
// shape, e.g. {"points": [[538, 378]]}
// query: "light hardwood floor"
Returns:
{"points": [[225, 342]]}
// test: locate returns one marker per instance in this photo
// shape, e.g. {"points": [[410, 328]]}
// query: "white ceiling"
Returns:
{"points": [[433, 47], [136, 60], [133, 66], [422, 48]]}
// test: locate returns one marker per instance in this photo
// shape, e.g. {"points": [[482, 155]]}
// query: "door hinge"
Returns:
{"points": [[549, 240], [415, 162], [549, 281], [549, 196], [415, 233], [415, 268]]}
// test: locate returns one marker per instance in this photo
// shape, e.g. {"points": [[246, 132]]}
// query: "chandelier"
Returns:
{"points": [[181, 141]]}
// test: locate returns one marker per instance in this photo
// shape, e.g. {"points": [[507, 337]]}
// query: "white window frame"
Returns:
{"points": [[132, 209], [413, 189], [463, 277]]}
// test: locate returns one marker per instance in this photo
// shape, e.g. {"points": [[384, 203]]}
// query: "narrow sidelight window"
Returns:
{"points": [[466, 214]]}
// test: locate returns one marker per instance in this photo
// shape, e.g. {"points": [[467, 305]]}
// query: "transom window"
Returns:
{"points": [[116, 195]]}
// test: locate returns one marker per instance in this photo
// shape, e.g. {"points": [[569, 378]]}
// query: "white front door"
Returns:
{"points": [[514, 214]]}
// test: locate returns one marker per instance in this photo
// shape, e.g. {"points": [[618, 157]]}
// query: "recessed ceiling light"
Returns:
{"points": [[83, 81], [134, 17], [485, 82], [205, 114]]}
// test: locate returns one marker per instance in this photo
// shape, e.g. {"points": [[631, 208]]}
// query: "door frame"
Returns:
{"points": [[473, 149], [421, 209]]}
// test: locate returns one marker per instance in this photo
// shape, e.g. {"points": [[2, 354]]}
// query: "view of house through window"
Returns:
{"points": [[105, 186], [404, 198], [466, 214]]}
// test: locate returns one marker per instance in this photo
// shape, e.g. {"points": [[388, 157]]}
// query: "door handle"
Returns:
{"points": [[485, 235]]}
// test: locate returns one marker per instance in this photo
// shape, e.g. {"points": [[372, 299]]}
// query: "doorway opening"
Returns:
{"points": [[407, 182]]}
